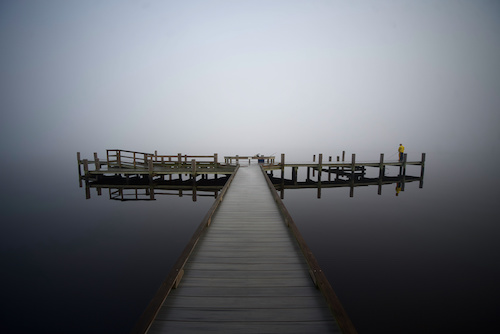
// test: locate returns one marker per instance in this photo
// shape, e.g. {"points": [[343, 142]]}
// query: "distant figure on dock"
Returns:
{"points": [[401, 151]]}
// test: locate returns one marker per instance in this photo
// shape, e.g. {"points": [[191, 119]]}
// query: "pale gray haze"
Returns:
{"points": [[246, 77]]}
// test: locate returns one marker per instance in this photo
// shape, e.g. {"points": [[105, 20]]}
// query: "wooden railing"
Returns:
{"points": [[133, 159]]}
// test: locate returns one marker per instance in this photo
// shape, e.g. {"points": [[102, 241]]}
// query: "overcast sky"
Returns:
{"points": [[241, 77]]}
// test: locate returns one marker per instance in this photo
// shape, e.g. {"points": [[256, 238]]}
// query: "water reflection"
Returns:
{"points": [[141, 188], [338, 177]]}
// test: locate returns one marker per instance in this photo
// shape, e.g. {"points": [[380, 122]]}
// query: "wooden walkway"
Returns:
{"points": [[247, 273]]}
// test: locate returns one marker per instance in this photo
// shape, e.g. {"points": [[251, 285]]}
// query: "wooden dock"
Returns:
{"points": [[249, 273], [247, 268]]}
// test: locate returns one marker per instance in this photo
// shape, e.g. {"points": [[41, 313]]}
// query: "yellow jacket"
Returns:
{"points": [[401, 149]]}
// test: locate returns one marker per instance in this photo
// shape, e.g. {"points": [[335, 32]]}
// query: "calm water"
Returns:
{"points": [[425, 261]]}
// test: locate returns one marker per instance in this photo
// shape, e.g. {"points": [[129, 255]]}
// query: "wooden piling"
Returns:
{"points": [[86, 168], [96, 162], [282, 175], [79, 169], [150, 169], [422, 167], [320, 166], [193, 168], [380, 173], [353, 169], [294, 175]]}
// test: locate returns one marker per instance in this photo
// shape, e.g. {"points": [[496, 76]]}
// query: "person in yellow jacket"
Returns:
{"points": [[401, 151]]}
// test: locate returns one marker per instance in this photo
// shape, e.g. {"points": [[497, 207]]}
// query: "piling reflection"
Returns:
{"points": [[138, 188], [341, 177]]}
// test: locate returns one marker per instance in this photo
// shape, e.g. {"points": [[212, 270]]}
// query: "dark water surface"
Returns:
{"points": [[427, 260]]}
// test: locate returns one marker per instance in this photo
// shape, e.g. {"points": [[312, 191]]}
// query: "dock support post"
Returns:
{"points": [[194, 189], [320, 166], [380, 173], [86, 176], [294, 175], [150, 169], [282, 175], [216, 158], [79, 169], [320, 169], [353, 169], [193, 169], [422, 166], [403, 165], [96, 161], [86, 168], [343, 156]]}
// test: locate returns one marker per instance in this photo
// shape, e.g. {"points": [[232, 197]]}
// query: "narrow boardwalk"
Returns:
{"points": [[247, 274]]}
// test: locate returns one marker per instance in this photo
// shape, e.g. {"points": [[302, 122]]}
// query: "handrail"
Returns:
{"points": [[317, 274], [173, 278]]}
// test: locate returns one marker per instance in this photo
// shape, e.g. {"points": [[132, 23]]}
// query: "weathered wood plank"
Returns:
{"points": [[229, 313], [274, 291]]}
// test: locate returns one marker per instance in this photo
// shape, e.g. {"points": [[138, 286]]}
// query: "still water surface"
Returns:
{"points": [[427, 260]]}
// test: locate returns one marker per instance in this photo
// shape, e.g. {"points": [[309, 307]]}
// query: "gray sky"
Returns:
{"points": [[241, 77]]}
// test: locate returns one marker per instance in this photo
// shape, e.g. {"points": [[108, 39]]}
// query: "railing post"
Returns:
{"points": [[96, 162], [119, 158], [216, 158]]}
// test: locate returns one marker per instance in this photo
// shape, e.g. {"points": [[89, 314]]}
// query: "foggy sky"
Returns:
{"points": [[245, 77]]}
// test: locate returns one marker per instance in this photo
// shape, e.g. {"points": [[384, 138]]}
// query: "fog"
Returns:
{"points": [[241, 77]]}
